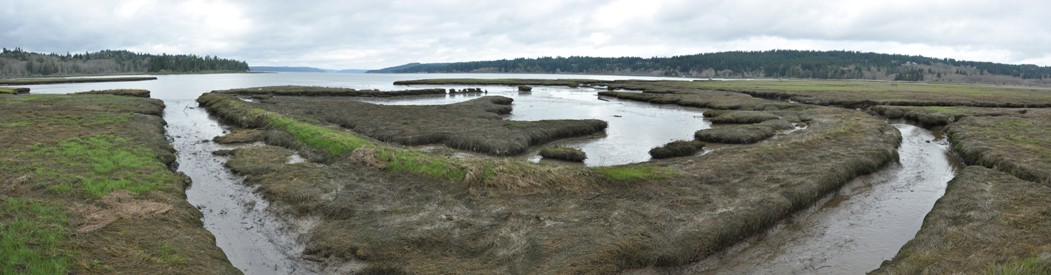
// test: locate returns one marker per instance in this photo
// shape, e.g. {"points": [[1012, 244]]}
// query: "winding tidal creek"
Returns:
{"points": [[851, 231]]}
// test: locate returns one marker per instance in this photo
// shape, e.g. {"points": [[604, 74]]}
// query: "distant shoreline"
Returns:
{"points": [[62, 80]]}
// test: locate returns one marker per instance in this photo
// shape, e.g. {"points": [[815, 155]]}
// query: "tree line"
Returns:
{"points": [[765, 64], [20, 63]]}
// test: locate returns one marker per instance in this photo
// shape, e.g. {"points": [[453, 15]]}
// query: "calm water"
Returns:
{"points": [[258, 242]]}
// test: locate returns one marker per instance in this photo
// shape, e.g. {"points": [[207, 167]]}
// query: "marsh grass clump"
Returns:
{"points": [[934, 116], [1017, 144], [13, 91], [563, 153], [119, 92], [987, 220], [525, 88], [678, 148], [474, 125], [240, 136], [740, 117], [742, 134], [326, 91]]}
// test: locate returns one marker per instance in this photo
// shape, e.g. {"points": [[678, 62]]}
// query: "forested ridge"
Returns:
{"points": [[760, 64], [19, 63]]}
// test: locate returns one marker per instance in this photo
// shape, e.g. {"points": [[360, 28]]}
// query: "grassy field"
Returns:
{"points": [[40, 81], [86, 187], [886, 92], [400, 209]]}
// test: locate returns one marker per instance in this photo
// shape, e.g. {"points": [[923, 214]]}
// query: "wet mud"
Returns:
{"points": [[855, 229]]}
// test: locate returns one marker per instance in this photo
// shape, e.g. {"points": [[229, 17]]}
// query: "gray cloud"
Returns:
{"points": [[373, 34]]}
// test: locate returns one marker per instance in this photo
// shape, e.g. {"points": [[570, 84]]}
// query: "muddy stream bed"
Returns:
{"points": [[853, 230]]}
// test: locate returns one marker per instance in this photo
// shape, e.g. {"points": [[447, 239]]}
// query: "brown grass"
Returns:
{"points": [[327, 91], [1017, 144], [673, 212], [934, 116], [240, 136], [739, 117], [563, 153], [741, 134], [678, 148], [987, 221], [475, 125], [119, 92]]}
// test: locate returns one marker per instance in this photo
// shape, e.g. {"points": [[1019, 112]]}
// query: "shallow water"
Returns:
{"points": [[854, 230], [255, 240], [634, 127]]}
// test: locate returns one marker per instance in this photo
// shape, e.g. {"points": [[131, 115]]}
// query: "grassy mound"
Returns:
{"points": [[987, 221], [326, 91], [678, 148], [85, 187], [13, 91], [475, 125], [240, 136], [739, 117], [934, 116], [563, 153], [742, 134], [1017, 144], [119, 92]]}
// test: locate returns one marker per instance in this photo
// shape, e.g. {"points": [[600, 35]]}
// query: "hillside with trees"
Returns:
{"points": [[19, 63], [759, 64]]}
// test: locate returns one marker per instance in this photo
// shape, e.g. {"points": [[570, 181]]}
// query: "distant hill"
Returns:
{"points": [[758, 64], [286, 69], [19, 63], [302, 70]]}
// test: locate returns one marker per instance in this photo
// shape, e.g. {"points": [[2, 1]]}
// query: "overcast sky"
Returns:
{"points": [[374, 34]]}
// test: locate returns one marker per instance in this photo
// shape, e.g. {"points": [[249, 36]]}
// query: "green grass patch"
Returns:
{"points": [[1030, 265], [13, 90], [639, 172], [16, 124], [32, 238], [99, 165]]}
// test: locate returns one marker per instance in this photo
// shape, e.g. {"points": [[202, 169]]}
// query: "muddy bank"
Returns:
{"points": [[988, 221], [854, 229], [491, 217], [86, 188], [254, 235]]}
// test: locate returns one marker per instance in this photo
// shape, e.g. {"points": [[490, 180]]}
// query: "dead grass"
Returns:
{"points": [[327, 91], [240, 136], [743, 134], [739, 117], [563, 153], [935, 116], [96, 167], [861, 94], [986, 221], [475, 125], [509, 216], [678, 148], [120, 92], [1018, 144]]}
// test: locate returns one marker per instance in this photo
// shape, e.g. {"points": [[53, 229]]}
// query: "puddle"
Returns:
{"points": [[634, 127], [253, 238], [854, 230]]}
